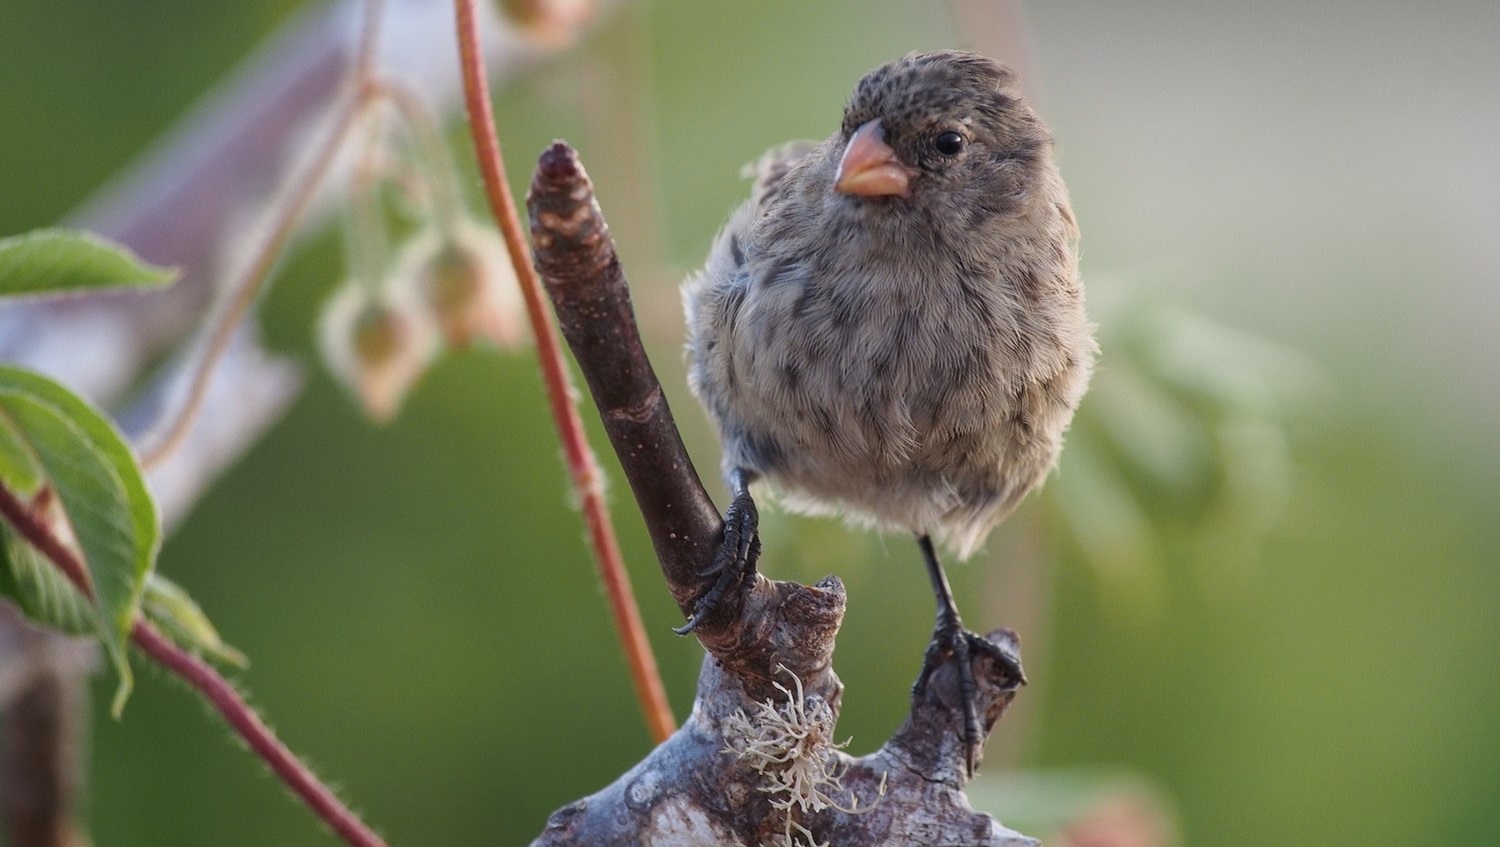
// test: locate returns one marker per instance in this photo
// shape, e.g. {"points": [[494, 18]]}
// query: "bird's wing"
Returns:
{"points": [[771, 169]]}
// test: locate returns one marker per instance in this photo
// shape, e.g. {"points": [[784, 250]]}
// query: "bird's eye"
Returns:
{"points": [[949, 143]]}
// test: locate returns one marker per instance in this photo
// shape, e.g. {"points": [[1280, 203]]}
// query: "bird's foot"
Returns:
{"points": [[734, 561], [951, 641]]}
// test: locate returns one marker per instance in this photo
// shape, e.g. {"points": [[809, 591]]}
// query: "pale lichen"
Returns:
{"points": [[790, 745]]}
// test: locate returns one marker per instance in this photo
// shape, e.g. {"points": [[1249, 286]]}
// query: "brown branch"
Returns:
{"points": [[205, 680], [772, 642], [583, 470], [38, 735], [41, 746], [577, 260]]}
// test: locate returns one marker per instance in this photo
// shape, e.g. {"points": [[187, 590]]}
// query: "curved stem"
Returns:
{"points": [[303, 186], [248, 287], [256, 735], [34, 528], [203, 678], [582, 468]]}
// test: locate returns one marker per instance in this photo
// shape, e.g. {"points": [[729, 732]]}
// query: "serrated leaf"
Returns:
{"points": [[175, 613], [102, 494], [41, 590], [59, 261]]}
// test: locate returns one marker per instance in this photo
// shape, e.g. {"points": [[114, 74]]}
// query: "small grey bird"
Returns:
{"points": [[893, 328]]}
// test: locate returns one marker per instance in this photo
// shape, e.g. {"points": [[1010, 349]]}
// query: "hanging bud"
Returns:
{"points": [[377, 344], [467, 283], [549, 23]]}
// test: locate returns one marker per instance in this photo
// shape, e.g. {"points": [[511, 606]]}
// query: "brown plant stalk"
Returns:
{"points": [[204, 679], [583, 469]]}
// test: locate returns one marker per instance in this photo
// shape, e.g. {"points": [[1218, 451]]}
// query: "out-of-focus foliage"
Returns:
{"points": [[1184, 434], [166, 605]]}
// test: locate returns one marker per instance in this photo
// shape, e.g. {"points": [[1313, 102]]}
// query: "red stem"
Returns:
{"points": [[582, 467], [261, 740], [201, 676], [35, 529]]}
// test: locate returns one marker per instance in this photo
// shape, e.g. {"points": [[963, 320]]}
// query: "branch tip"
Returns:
{"points": [[559, 162]]}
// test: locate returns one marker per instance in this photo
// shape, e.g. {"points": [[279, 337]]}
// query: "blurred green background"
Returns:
{"points": [[418, 601]]}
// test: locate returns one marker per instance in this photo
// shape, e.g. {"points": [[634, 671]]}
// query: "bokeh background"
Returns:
{"points": [[1292, 235]]}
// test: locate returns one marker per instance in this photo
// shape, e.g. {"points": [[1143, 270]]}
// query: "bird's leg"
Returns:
{"points": [[949, 638], [737, 553]]}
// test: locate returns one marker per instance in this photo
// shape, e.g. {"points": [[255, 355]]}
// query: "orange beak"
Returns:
{"points": [[869, 167]]}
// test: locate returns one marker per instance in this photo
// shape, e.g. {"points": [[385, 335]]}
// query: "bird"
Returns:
{"points": [[892, 328]]}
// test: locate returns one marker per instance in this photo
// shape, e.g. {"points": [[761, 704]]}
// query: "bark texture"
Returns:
{"points": [[755, 763]]}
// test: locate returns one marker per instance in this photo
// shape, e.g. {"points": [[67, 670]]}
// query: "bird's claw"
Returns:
{"points": [[951, 640], [734, 560]]}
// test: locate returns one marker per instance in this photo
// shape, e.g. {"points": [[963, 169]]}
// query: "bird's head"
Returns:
{"points": [[947, 126]]}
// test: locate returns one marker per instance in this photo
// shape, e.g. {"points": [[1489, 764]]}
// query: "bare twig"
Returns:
{"points": [[1019, 591], [583, 470], [696, 788], [998, 29], [576, 258], [203, 678]]}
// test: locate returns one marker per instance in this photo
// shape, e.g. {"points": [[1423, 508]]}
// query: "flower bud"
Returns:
{"points": [[549, 23], [467, 283], [377, 344]]}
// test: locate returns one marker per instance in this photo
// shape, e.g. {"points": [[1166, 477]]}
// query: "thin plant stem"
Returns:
{"points": [[426, 133], [582, 467], [248, 287], [35, 529], [203, 678], [366, 246], [219, 692]]}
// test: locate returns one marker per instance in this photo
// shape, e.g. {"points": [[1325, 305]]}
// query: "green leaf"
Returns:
{"points": [[170, 608], [1094, 503], [58, 261], [18, 468], [102, 494], [41, 590]]}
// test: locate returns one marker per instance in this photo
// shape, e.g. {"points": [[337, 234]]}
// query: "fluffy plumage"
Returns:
{"points": [[908, 355]]}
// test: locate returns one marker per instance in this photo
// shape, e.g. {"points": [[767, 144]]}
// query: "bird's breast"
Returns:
{"points": [[877, 366]]}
